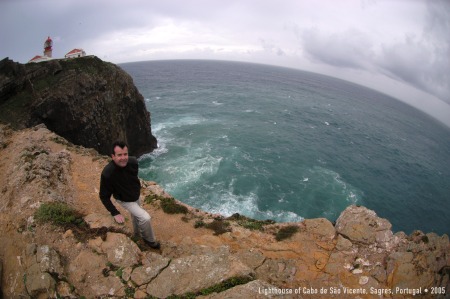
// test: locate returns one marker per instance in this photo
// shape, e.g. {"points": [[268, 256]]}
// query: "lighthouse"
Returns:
{"points": [[48, 47]]}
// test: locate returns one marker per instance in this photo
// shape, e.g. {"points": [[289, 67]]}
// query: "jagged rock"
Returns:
{"points": [[121, 250], [405, 273], [38, 175], [252, 258], [196, 272], [140, 294], [321, 227], [65, 290], [152, 264], [85, 100], [49, 260], [86, 267], [361, 225], [38, 282], [98, 220], [87, 272], [108, 286], [417, 267], [38, 277], [343, 244], [277, 271]]}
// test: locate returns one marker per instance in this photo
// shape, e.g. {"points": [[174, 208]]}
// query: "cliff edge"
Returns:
{"points": [[202, 255], [85, 100]]}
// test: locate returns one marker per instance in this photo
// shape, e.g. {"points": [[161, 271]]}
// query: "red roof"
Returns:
{"points": [[35, 57], [74, 51]]}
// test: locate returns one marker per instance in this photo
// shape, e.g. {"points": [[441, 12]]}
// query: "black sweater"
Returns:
{"points": [[121, 182]]}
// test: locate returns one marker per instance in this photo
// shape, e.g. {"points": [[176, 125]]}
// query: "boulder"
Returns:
{"points": [[361, 225], [120, 250], [38, 282], [86, 267], [49, 260], [196, 272], [321, 227], [152, 264]]}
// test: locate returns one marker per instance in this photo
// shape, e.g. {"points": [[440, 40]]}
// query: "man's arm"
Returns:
{"points": [[105, 196]]}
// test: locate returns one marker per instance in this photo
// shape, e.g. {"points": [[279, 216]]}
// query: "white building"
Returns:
{"points": [[47, 52], [75, 53], [39, 58]]}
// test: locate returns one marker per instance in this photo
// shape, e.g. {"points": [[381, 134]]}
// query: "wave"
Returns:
{"points": [[227, 203]]}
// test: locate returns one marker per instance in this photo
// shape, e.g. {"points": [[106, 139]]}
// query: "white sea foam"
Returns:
{"points": [[226, 203]]}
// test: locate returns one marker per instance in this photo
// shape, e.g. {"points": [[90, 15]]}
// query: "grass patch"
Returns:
{"points": [[170, 206], [151, 198], [199, 223], [219, 226], [58, 213], [286, 232], [62, 215], [250, 223]]}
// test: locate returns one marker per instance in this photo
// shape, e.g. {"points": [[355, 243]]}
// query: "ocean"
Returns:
{"points": [[277, 143]]}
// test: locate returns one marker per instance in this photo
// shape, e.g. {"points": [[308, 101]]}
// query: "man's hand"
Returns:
{"points": [[119, 218]]}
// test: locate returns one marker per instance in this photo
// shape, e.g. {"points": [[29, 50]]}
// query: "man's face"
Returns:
{"points": [[120, 156]]}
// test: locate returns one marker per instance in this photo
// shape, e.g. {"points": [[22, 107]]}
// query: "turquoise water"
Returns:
{"points": [[282, 144]]}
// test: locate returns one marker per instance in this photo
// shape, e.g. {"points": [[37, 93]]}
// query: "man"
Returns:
{"points": [[120, 179]]}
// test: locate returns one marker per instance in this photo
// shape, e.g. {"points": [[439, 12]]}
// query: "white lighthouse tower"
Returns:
{"points": [[48, 47]]}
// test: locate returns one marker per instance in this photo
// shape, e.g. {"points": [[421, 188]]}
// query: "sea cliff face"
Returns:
{"points": [[86, 100]]}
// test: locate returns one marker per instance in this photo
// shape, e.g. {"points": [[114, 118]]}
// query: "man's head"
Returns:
{"points": [[120, 153]]}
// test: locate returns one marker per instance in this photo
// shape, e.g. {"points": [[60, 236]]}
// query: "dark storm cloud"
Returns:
{"points": [[351, 49], [424, 61], [421, 60]]}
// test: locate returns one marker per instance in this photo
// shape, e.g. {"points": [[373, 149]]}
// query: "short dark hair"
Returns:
{"points": [[119, 143]]}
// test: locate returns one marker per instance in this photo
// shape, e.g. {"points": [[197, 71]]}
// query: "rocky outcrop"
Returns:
{"points": [[87, 101], [358, 257]]}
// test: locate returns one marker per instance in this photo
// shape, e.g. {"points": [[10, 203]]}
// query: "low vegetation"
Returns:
{"points": [[250, 223], [170, 206], [218, 225], [58, 213], [286, 232], [66, 217]]}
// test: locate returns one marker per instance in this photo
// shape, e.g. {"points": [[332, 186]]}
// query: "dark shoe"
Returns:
{"points": [[154, 245]]}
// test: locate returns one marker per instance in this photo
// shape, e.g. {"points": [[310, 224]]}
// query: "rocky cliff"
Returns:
{"points": [[87, 101], [202, 255]]}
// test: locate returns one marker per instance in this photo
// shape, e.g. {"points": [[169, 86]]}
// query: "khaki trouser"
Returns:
{"points": [[141, 219]]}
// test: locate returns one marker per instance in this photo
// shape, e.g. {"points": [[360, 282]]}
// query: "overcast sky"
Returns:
{"points": [[399, 47]]}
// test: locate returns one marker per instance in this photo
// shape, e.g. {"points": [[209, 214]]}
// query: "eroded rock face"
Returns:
{"points": [[43, 261], [87, 101]]}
